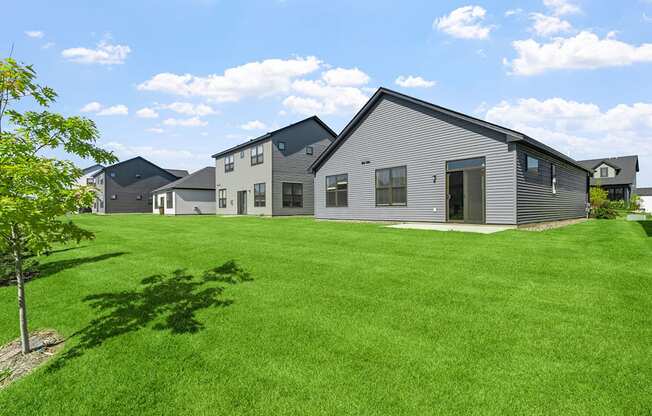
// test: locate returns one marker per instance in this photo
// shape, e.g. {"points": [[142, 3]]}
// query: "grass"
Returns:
{"points": [[206, 315]]}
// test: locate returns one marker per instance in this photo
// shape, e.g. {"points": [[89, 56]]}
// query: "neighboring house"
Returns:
{"points": [[616, 175], [87, 179], [269, 175], [193, 194], [127, 186], [403, 159], [646, 198]]}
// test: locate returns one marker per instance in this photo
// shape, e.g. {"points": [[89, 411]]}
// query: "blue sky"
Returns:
{"points": [[176, 81]]}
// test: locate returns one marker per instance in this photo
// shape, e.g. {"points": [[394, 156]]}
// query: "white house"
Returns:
{"points": [[190, 195]]}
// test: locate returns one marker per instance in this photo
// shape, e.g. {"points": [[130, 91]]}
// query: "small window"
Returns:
{"points": [[90, 181], [114, 196], [257, 155], [337, 187], [168, 200], [139, 197], [531, 165], [138, 176], [101, 203], [259, 195], [221, 198], [553, 178], [112, 174], [241, 154], [101, 181], [281, 146], [391, 186], [604, 172], [229, 163], [155, 203], [292, 195], [309, 150]]}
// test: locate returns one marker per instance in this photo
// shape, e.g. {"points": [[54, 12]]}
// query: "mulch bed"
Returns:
{"points": [[543, 226], [14, 365]]}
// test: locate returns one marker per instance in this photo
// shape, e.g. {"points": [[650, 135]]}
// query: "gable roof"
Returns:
{"points": [[170, 171], [201, 179], [271, 133], [625, 166], [92, 168], [510, 135], [179, 173]]}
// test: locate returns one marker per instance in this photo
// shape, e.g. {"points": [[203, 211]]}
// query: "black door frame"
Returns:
{"points": [[484, 189]]}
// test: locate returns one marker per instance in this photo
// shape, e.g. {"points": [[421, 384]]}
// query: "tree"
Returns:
{"points": [[37, 191]]}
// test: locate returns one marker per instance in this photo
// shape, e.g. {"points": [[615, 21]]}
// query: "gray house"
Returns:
{"points": [[616, 175], [127, 186], [269, 175], [192, 194], [404, 159]]}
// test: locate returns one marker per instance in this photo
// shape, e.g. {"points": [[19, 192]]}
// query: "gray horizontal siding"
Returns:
{"points": [[535, 200], [397, 133]]}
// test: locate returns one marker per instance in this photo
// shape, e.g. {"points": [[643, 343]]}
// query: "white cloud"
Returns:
{"points": [[147, 112], [562, 7], [156, 130], [253, 125], [583, 51], [189, 109], [465, 23], [647, 18], [48, 45], [343, 77], [104, 54], [414, 82], [513, 12], [36, 34], [303, 105], [253, 79], [317, 96], [582, 130], [101, 110], [185, 122], [549, 25], [168, 158]]}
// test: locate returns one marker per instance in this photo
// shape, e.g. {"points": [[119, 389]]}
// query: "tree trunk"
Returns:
{"points": [[20, 283]]}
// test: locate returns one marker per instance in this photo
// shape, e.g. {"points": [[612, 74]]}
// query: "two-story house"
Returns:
{"points": [[616, 175], [269, 175]]}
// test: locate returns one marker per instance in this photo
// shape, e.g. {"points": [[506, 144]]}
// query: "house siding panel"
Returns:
{"points": [[397, 133], [535, 200]]}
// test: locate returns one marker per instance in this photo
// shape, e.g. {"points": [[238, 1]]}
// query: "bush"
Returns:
{"points": [[635, 203], [620, 204], [600, 206], [604, 213]]}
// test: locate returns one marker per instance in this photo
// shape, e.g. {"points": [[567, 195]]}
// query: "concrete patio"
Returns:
{"points": [[465, 228]]}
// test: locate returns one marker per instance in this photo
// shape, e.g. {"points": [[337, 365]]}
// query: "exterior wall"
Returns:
{"points": [[194, 201], [292, 164], [536, 202], [611, 172], [397, 133], [242, 178], [99, 207], [162, 196]]}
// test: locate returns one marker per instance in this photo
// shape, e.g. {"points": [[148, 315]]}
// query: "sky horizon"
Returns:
{"points": [[180, 80]]}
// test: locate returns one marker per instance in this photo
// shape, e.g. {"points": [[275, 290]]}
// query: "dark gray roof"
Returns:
{"points": [[93, 168], [644, 191], [626, 168], [201, 179], [511, 135], [271, 133], [179, 173]]}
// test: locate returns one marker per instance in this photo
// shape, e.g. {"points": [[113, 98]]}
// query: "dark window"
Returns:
{"points": [[466, 163], [553, 178], [257, 155], [337, 188], [101, 181], [604, 172], [259, 195], [168, 200], [391, 186], [615, 193], [156, 203], [138, 176], [281, 146], [292, 195], [241, 154], [229, 163], [90, 181], [309, 150], [531, 165], [221, 198], [114, 196]]}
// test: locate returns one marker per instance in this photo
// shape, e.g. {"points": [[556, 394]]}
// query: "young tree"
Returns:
{"points": [[37, 191]]}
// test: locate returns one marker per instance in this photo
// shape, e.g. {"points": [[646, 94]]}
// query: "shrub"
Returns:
{"points": [[620, 204], [604, 213], [600, 206], [635, 203]]}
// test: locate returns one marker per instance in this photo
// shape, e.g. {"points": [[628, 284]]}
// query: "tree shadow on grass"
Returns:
{"points": [[163, 303], [647, 227]]}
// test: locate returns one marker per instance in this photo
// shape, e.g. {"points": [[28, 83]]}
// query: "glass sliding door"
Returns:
{"points": [[465, 187]]}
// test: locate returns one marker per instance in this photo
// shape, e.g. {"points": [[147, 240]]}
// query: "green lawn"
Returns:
{"points": [[303, 317]]}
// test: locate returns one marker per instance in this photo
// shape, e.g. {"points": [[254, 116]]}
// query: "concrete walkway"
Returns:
{"points": [[466, 228]]}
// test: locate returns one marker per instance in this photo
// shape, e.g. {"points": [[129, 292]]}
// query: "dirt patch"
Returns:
{"points": [[14, 365], [543, 226]]}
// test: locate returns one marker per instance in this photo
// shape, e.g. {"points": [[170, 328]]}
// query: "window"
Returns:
{"points": [[391, 186], [101, 181], [138, 176], [337, 187], [309, 150], [101, 203], [241, 154], [221, 198], [114, 196], [168, 200], [281, 146], [139, 197], [90, 181], [112, 174], [604, 172], [553, 178], [292, 195], [257, 155], [259, 195], [531, 165], [229, 163], [155, 203], [465, 163]]}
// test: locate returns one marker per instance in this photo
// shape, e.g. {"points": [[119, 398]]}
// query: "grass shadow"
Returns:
{"points": [[164, 303], [647, 227]]}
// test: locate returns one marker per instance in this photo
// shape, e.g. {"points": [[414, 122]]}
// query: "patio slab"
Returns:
{"points": [[465, 228]]}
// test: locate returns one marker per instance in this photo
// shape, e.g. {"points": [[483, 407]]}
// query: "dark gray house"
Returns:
{"points": [[616, 175], [191, 195], [404, 159], [269, 175], [127, 186]]}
